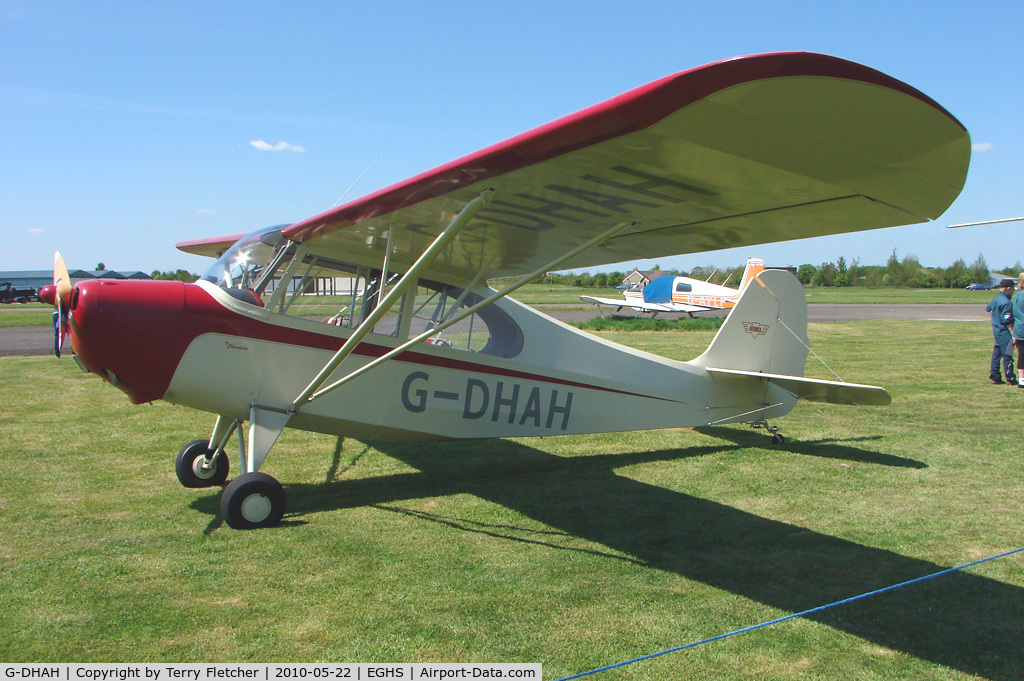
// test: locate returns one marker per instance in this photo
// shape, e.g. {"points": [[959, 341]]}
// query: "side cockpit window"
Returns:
{"points": [[489, 331], [343, 294], [267, 270]]}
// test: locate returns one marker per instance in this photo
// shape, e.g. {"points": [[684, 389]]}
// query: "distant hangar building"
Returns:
{"points": [[40, 278]]}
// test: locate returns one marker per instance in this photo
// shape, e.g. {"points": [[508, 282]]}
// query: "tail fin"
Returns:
{"points": [[766, 331], [764, 338], [755, 266]]}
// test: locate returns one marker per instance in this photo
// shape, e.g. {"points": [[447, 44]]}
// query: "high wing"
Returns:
{"points": [[212, 247], [745, 151]]}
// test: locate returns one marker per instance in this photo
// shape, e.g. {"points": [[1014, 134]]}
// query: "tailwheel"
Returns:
{"points": [[197, 465], [776, 436], [253, 500]]}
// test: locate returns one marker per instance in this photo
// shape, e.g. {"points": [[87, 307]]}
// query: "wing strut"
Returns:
{"points": [[311, 395], [281, 289], [408, 279]]}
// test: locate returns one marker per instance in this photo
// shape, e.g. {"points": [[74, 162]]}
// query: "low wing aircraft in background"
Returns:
{"points": [[671, 293], [740, 152]]}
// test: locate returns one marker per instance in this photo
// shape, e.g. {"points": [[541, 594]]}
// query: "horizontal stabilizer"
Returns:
{"points": [[632, 304], [645, 306], [815, 390], [683, 307]]}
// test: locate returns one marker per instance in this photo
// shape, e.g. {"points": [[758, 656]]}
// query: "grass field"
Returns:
{"points": [[34, 314], [571, 551]]}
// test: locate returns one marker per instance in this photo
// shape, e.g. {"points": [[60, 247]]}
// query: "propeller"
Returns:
{"points": [[61, 279], [58, 295]]}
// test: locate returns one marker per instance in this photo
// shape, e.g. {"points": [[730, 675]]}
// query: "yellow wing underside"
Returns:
{"points": [[767, 160]]}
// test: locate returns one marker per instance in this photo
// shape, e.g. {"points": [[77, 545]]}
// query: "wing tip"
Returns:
{"points": [[211, 247]]}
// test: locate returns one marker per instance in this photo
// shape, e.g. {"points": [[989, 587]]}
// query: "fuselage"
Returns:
{"points": [[685, 291], [199, 346]]}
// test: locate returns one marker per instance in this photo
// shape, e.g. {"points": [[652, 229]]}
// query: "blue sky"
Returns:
{"points": [[130, 126]]}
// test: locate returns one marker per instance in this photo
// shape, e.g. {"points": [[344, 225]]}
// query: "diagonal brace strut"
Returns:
{"points": [[408, 279], [603, 236]]}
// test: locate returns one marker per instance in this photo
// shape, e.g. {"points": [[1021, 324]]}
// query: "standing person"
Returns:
{"points": [[1017, 309], [1001, 308]]}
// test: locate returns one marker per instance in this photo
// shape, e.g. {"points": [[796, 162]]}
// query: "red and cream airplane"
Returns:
{"points": [[670, 293], [740, 152]]}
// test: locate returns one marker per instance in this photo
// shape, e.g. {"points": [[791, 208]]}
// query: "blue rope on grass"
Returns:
{"points": [[789, 617]]}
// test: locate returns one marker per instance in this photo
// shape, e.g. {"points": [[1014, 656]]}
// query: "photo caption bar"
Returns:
{"points": [[357, 671]]}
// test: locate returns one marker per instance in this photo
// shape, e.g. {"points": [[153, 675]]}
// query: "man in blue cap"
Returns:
{"points": [[1002, 323]]}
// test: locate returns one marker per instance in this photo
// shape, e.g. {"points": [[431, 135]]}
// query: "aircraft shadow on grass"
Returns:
{"points": [[961, 620], [825, 448]]}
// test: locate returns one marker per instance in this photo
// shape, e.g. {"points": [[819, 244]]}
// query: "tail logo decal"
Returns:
{"points": [[755, 329]]}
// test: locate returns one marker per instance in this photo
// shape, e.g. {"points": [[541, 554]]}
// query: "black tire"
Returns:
{"points": [[253, 500], [778, 439], [190, 473]]}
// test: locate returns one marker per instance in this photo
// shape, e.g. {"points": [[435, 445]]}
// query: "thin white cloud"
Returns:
{"points": [[280, 146], [35, 230], [983, 146], [206, 211]]}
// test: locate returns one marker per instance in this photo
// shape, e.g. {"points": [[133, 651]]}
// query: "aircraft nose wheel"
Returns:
{"points": [[195, 469], [253, 500]]}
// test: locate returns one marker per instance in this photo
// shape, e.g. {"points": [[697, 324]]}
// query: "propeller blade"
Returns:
{"points": [[61, 279], [60, 296]]}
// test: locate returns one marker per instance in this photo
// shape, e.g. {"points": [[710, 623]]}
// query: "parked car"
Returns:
{"points": [[17, 294], [978, 287]]}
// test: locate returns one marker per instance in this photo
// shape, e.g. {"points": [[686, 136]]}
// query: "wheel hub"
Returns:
{"points": [[202, 468], [256, 507]]}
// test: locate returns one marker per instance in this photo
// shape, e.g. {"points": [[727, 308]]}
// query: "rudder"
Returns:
{"points": [[764, 339], [755, 266], [766, 331]]}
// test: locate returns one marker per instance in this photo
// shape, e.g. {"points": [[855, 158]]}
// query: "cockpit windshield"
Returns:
{"points": [[244, 265], [267, 270]]}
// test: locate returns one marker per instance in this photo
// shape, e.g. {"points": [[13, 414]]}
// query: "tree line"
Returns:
{"points": [[177, 275], [905, 272]]}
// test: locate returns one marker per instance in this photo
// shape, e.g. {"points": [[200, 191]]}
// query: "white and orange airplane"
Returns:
{"points": [[671, 293], [740, 152]]}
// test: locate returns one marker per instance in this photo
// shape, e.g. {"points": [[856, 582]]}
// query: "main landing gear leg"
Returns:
{"points": [[777, 438], [253, 499]]}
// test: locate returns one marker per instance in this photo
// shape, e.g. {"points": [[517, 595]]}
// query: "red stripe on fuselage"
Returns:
{"points": [[257, 330], [140, 330]]}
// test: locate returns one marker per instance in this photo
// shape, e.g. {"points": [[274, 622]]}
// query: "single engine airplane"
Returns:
{"points": [[671, 293], [740, 152]]}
